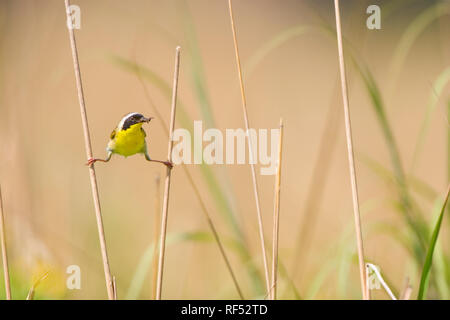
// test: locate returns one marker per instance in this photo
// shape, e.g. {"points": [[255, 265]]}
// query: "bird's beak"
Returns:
{"points": [[147, 119]]}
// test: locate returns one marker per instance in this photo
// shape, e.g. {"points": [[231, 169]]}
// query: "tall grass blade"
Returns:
{"points": [[424, 279], [412, 32], [436, 91], [414, 219], [224, 193], [4, 250], [197, 70], [448, 154], [416, 184], [272, 44]]}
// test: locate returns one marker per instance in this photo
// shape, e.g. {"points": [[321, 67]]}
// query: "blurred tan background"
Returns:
{"points": [[46, 190]]}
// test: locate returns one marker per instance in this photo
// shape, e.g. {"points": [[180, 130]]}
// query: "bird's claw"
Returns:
{"points": [[90, 161], [168, 164]]}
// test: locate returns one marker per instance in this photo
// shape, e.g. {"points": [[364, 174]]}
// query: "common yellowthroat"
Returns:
{"points": [[128, 138]]}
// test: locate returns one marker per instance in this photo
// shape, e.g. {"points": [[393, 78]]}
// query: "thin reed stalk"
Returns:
{"points": [[157, 217], [4, 252], [407, 294], [351, 159], [276, 217], [165, 211], [87, 142], [407, 290], [251, 156], [114, 287]]}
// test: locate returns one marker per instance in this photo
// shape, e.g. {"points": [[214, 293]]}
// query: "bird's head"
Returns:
{"points": [[132, 119]]}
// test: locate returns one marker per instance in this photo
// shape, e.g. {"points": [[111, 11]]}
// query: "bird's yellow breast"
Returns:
{"points": [[128, 142]]}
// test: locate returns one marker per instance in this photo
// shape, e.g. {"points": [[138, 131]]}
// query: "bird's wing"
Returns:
{"points": [[113, 134], [143, 131]]}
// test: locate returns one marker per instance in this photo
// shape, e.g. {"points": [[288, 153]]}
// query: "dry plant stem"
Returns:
{"points": [[199, 198], [4, 253], [247, 126], [368, 293], [167, 180], [407, 290], [351, 160], [407, 294], [156, 234], [276, 217], [114, 287], [87, 142]]}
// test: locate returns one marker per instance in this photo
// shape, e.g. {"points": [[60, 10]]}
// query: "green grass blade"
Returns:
{"points": [[222, 191], [284, 273], [448, 141], [439, 260], [437, 89], [418, 186], [196, 65], [414, 220], [414, 29], [158, 82], [429, 258], [272, 44]]}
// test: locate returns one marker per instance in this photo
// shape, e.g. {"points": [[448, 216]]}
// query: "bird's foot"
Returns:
{"points": [[168, 164], [91, 161]]}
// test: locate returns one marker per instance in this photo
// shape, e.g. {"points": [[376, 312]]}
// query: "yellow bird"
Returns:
{"points": [[128, 138]]}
